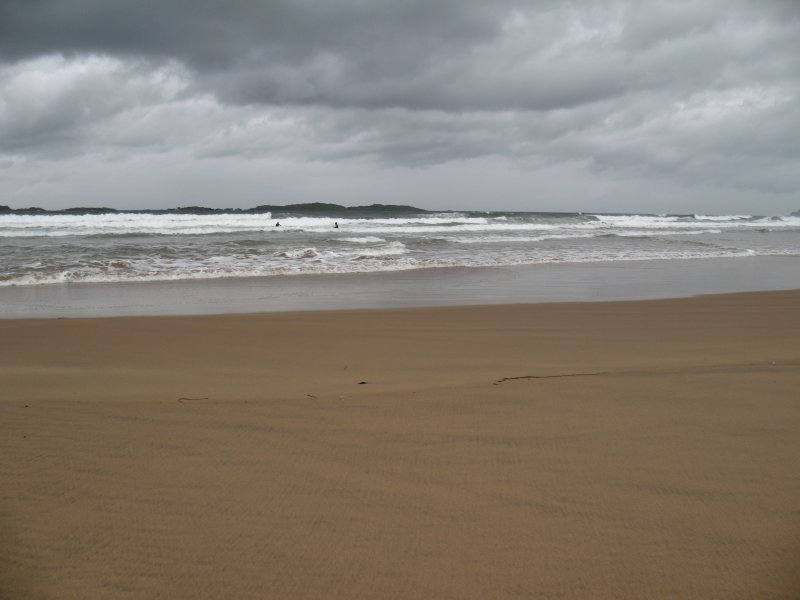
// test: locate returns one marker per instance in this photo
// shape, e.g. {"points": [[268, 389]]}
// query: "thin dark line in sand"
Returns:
{"points": [[504, 379], [689, 370], [182, 400]]}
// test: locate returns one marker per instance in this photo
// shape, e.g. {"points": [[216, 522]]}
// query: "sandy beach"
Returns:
{"points": [[643, 449]]}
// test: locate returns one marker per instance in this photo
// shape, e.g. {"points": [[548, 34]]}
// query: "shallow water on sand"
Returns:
{"points": [[632, 280]]}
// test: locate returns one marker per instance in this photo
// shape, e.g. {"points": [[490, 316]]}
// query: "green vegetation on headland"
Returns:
{"points": [[316, 208]]}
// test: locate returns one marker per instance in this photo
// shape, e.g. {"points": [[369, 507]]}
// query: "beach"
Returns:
{"points": [[374, 300], [626, 449]]}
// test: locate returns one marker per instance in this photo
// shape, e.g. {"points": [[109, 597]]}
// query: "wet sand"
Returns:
{"points": [[641, 449]]}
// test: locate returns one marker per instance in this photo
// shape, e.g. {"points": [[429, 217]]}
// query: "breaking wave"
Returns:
{"points": [[51, 249]]}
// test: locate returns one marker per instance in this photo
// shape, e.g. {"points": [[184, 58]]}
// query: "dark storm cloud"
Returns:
{"points": [[444, 55], [701, 91], [212, 35], [447, 55]]}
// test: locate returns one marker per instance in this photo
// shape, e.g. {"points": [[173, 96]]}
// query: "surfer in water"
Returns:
{"points": [[278, 224], [336, 225]]}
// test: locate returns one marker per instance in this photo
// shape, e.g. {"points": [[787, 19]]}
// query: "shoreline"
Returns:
{"points": [[425, 308], [461, 286]]}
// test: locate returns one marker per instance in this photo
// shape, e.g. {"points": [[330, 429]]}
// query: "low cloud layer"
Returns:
{"points": [[627, 96]]}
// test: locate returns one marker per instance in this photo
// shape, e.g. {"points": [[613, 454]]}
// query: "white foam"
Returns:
{"points": [[252, 246], [298, 253], [722, 217], [127, 223], [183, 224], [326, 262], [637, 220], [370, 239], [697, 221], [660, 233], [518, 239], [390, 250]]}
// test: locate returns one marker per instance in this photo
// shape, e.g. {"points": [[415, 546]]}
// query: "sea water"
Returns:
{"points": [[47, 249]]}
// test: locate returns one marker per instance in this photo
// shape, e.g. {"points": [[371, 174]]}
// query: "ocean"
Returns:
{"points": [[51, 249]]}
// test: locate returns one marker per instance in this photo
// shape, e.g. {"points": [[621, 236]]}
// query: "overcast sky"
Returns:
{"points": [[640, 106]]}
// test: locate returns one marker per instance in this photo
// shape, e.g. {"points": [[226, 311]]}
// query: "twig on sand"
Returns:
{"points": [[504, 379]]}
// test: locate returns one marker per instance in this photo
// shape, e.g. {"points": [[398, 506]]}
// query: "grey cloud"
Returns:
{"points": [[213, 34], [420, 55], [52, 105], [703, 92]]}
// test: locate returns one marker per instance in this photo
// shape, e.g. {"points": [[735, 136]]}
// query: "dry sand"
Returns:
{"points": [[599, 450]]}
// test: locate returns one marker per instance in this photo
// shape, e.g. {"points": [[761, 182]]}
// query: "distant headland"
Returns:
{"points": [[316, 208]]}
